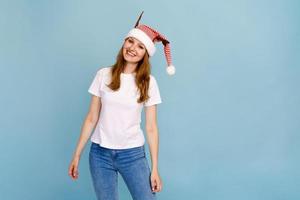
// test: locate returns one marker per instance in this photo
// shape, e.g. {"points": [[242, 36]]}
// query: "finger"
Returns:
{"points": [[159, 186], [158, 189], [153, 184], [71, 171], [75, 173]]}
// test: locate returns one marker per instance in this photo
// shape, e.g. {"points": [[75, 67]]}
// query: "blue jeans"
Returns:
{"points": [[130, 163]]}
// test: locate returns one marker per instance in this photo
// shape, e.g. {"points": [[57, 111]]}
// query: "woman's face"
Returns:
{"points": [[133, 50]]}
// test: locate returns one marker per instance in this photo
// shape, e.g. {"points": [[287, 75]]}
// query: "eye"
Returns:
{"points": [[130, 40], [141, 47]]}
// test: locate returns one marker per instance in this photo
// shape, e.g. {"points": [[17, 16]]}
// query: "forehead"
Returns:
{"points": [[136, 40]]}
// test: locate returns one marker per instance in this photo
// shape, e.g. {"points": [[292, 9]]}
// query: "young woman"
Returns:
{"points": [[119, 93]]}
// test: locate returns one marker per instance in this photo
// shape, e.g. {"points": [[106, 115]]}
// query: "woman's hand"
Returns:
{"points": [[73, 168], [156, 183]]}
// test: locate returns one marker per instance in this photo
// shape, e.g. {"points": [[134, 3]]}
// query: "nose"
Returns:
{"points": [[132, 47]]}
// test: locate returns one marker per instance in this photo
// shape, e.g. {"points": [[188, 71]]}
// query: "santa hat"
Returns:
{"points": [[148, 36]]}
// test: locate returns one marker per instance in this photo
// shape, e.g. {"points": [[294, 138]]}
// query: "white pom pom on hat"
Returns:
{"points": [[148, 36], [171, 69]]}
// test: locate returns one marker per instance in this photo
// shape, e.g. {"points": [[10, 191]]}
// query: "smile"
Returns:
{"points": [[129, 53]]}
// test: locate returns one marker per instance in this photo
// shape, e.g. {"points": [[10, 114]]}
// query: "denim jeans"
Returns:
{"points": [[105, 164]]}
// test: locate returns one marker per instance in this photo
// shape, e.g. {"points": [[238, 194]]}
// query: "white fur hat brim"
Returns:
{"points": [[144, 38]]}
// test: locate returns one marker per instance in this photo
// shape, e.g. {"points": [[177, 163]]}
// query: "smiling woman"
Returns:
{"points": [[119, 93], [133, 50]]}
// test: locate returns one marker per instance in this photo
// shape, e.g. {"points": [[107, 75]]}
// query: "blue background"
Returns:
{"points": [[229, 122]]}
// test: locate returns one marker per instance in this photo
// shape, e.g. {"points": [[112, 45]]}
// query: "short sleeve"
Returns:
{"points": [[96, 83], [153, 92]]}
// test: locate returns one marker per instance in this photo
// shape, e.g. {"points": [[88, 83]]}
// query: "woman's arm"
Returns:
{"points": [[153, 141], [87, 127], [89, 124], [152, 134]]}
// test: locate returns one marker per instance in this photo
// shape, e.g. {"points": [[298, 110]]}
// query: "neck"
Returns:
{"points": [[130, 67]]}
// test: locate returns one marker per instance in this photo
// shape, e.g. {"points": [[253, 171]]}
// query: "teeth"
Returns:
{"points": [[130, 53]]}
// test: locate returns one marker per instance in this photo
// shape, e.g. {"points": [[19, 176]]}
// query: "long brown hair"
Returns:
{"points": [[142, 78]]}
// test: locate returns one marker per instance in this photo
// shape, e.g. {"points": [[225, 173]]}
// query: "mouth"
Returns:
{"points": [[130, 53]]}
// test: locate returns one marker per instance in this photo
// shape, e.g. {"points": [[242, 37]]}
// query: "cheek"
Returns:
{"points": [[125, 45], [142, 53], [124, 50]]}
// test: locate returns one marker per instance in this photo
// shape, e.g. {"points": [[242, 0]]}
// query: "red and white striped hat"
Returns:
{"points": [[148, 36]]}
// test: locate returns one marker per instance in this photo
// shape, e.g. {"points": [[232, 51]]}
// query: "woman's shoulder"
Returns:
{"points": [[152, 80], [104, 70]]}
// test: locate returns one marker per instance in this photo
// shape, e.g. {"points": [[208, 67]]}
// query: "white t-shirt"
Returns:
{"points": [[118, 126]]}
